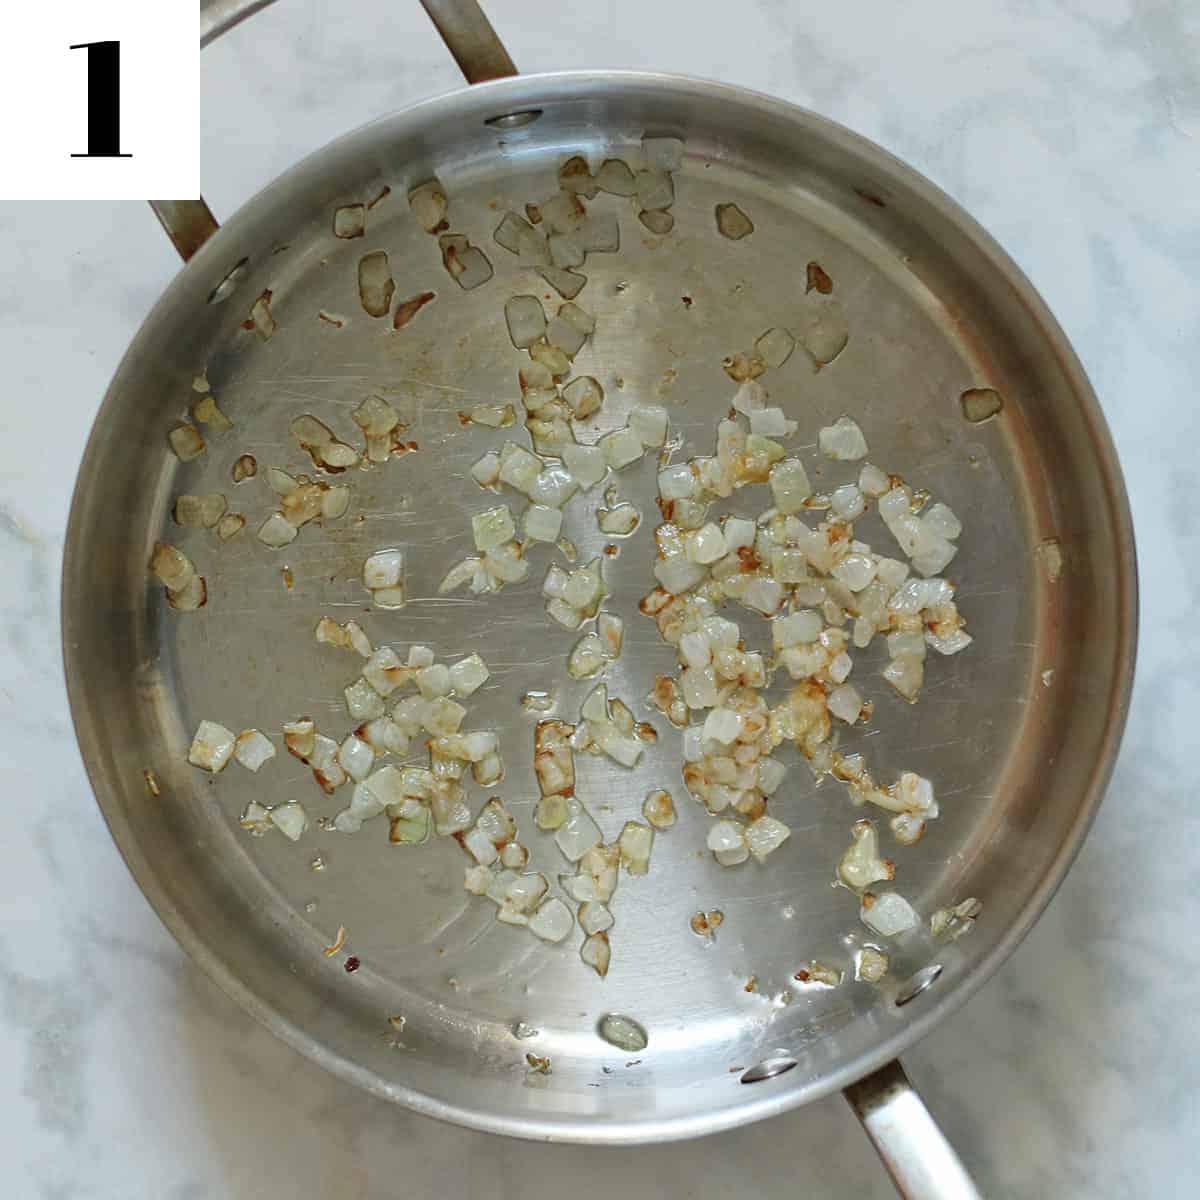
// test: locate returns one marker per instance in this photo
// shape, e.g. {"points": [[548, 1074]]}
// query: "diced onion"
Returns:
{"points": [[375, 284], [383, 569], [552, 921], [636, 842], [253, 749], [732, 222], [843, 440], [578, 833], [860, 866], [657, 221], [597, 953], [775, 347], [186, 441], [616, 178], [525, 319], [663, 153], [212, 746], [350, 221], [290, 819], [871, 965], [655, 190], [888, 914], [428, 204], [766, 835]]}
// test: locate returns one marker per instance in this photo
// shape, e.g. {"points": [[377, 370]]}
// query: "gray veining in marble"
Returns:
{"points": [[1071, 129]]}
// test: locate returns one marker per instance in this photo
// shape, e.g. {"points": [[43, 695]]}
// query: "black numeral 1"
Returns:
{"points": [[104, 100]]}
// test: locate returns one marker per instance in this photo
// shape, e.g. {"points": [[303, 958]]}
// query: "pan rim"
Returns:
{"points": [[758, 1104]]}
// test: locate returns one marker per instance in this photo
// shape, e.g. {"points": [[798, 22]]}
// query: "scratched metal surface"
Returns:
{"points": [[930, 314]]}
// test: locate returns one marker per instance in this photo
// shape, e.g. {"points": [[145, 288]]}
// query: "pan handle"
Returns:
{"points": [[922, 1163], [464, 28]]}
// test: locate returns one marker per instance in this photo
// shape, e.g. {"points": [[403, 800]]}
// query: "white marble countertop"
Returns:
{"points": [[1071, 129]]}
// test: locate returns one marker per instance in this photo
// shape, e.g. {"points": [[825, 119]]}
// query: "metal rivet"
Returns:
{"points": [[228, 285], [768, 1069], [924, 978], [514, 120]]}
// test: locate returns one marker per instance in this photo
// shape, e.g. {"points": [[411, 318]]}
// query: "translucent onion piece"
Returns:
{"points": [[585, 396], [253, 749], [873, 482], [171, 567], [525, 320], [619, 521], [888, 914], [276, 531], [843, 441], [871, 965], [350, 221], [230, 525], [186, 441], [469, 268], [658, 221], [655, 189], [732, 222], [587, 464], [789, 485], [578, 833], [383, 569], [860, 866], [552, 921], [600, 234], [775, 347], [597, 953], [567, 283], [824, 332], [362, 701], [636, 842], [262, 318], [566, 250], [256, 819], [587, 657], [594, 917], [428, 204], [492, 527], [650, 423], [467, 675], [212, 746], [208, 412], [663, 153], [493, 416], [290, 819], [616, 178], [621, 448], [845, 703], [659, 809], [375, 284], [765, 835]]}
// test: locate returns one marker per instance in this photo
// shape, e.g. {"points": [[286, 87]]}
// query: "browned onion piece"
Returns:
{"points": [[817, 280], [260, 316], [407, 309]]}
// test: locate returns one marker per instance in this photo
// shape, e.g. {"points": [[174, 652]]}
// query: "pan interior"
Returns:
{"points": [[932, 311]]}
